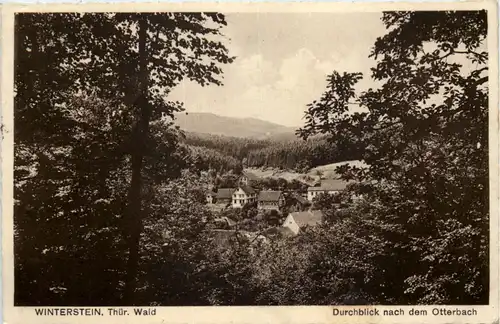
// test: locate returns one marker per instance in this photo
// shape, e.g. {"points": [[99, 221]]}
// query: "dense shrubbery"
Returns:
{"points": [[296, 155], [424, 136]]}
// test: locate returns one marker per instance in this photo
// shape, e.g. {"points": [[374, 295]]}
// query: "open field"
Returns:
{"points": [[325, 171]]}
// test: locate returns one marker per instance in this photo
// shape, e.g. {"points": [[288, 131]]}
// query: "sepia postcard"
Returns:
{"points": [[250, 163]]}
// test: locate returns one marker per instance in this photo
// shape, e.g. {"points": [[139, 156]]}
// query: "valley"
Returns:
{"points": [[282, 155]]}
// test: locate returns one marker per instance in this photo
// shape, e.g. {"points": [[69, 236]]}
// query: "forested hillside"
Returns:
{"points": [[299, 155], [204, 159]]}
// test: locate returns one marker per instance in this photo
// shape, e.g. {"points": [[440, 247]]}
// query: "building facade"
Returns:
{"points": [[327, 186], [224, 196], [297, 221], [243, 195], [270, 200]]}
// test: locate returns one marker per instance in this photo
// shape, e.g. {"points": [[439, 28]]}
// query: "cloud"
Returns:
{"points": [[255, 70], [256, 87], [277, 93], [282, 60]]}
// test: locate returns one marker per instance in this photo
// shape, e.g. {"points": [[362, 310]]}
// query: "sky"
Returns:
{"points": [[282, 61]]}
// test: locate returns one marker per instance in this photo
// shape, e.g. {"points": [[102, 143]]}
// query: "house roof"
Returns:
{"points": [[225, 193], [307, 218], [331, 185], [212, 193], [269, 195], [247, 189], [250, 175]]}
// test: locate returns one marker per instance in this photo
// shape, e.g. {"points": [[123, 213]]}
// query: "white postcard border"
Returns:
{"points": [[233, 314]]}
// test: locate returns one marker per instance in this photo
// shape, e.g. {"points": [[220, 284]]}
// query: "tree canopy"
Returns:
{"points": [[424, 135], [92, 96]]}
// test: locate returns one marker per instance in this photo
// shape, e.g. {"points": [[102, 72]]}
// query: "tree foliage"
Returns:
{"points": [[424, 136], [129, 62], [296, 155]]}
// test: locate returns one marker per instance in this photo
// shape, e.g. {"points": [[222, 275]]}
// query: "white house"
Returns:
{"points": [[331, 186], [299, 220], [243, 195]]}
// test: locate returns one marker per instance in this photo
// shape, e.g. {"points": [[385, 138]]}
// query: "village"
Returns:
{"points": [[292, 210]]}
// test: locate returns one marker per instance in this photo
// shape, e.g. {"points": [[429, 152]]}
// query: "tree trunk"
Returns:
{"points": [[133, 221]]}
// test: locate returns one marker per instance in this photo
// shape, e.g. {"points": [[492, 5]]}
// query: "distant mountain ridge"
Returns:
{"points": [[209, 123]]}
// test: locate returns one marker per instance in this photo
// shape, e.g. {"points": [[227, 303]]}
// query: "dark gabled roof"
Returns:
{"points": [[225, 193], [307, 218], [247, 189], [250, 176], [212, 193], [331, 185], [269, 195]]}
